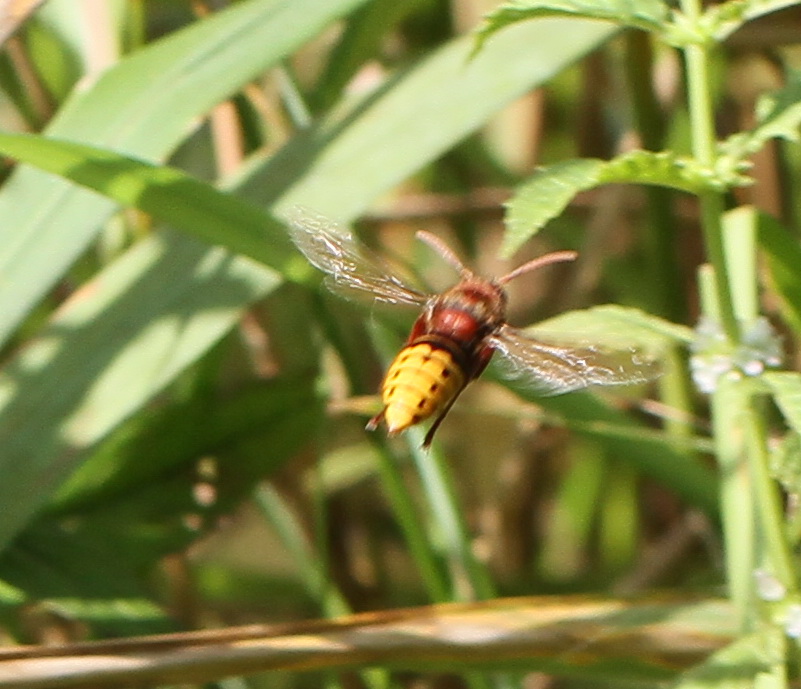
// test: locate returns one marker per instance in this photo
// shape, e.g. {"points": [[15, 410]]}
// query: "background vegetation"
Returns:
{"points": [[182, 404]]}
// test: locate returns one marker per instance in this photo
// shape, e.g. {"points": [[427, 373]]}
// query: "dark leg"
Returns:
{"points": [[372, 424], [430, 435]]}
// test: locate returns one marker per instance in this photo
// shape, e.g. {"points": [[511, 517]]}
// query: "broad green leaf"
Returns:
{"points": [[144, 106], [641, 14], [544, 197], [618, 325], [172, 196], [278, 413], [356, 154], [146, 493], [552, 188], [113, 346], [783, 254], [183, 298], [89, 575]]}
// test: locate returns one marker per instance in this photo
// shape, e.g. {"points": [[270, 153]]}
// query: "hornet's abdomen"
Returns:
{"points": [[421, 381]]}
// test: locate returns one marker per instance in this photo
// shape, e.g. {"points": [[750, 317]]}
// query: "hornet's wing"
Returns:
{"points": [[349, 267], [551, 369]]}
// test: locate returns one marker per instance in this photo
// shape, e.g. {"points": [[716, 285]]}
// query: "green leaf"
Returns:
{"points": [[111, 347], [552, 188], [414, 119], [618, 326], [161, 482], [278, 414], [167, 193], [145, 105], [641, 14], [544, 197]]}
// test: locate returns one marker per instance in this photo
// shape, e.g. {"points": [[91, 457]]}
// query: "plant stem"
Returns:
{"points": [[768, 502], [414, 530], [699, 89], [470, 579], [659, 238], [737, 509], [310, 565]]}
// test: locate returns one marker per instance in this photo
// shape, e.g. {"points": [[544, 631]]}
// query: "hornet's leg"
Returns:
{"points": [[430, 435], [483, 359], [372, 424]]}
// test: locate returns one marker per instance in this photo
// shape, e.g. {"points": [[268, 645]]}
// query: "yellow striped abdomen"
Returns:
{"points": [[421, 381]]}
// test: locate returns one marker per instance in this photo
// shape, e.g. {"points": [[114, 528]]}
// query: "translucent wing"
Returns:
{"points": [[552, 369], [348, 266]]}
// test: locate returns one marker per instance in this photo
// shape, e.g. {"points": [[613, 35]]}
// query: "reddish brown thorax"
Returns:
{"points": [[460, 319]]}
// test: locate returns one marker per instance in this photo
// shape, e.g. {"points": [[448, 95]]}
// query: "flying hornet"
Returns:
{"points": [[458, 331]]}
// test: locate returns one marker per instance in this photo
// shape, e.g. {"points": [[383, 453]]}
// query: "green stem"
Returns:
{"points": [[699, 86], [311, 566], [768, 500], [659, 238], [737, 508], [712, 209], [470, 578], [414, 530]]}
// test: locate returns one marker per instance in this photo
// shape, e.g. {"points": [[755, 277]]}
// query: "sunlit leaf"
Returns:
{"points": [[145, 106], [170, 195], [665, 169], [544, 197], [640, 14], [279, 413], [551, 188], [132, 330], [617, 325]]}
